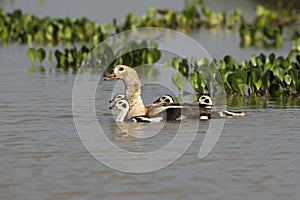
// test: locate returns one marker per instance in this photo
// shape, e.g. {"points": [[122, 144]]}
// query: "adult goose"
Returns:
{"points": [[133, 95]]}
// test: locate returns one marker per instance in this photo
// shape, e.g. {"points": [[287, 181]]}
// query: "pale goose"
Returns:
{"points": [[123, 106]]}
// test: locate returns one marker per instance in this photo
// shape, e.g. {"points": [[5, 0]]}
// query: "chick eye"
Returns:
{"points": [[121, 69]]}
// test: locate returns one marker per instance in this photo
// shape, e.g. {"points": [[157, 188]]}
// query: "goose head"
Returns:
{"points": [[117, 97], [123, 72], [205, 101], [123, 106], [164, 99]]}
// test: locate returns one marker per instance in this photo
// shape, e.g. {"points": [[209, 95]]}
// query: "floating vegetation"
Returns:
{"points": [[266, 29], [262, 75], [134, 54], [24, 28]]}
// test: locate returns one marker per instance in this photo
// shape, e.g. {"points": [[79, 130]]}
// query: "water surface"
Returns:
{"points": [[42, 157]]}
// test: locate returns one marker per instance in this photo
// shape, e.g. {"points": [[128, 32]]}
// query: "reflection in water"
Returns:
{"points": [[254, 102]]}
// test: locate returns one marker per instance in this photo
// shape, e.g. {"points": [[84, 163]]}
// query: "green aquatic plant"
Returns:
{"points": [[296, 41], [261, 75], [41, 54], [266, 29], [134, 54], [31, 54]]}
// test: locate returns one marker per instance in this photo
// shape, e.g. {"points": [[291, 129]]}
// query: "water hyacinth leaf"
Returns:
{"points": [[287, 79], [253, 60], [266, 79], [67, 32], [31, 53], [258, 84], [50, 57], [151, 57], [184, 67], [294, 74], [41, 54], [175, 63], [203, 62], [275, 90], [270, 63], [157, 55], [177, 80], [236, 83], [279, 73], [197, 82]]}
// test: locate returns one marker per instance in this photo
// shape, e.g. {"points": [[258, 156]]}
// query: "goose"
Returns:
{"points": [[123, 106], [204, 101]]}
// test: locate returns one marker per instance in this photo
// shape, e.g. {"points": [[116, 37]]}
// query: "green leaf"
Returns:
{"points": [[41, 54], [51, 57], [253, 60], [279, 73], [288, 79], [197, 82], [68, 33], [266, 79], [275, 90], [150, 58], [31, 53], [177, 80], [175, 63], [184, 67]]}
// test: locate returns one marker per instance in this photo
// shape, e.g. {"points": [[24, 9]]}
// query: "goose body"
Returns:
{"points": [[123, 106]]}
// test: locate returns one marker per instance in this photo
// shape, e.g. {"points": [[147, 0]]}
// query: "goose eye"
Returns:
{"points": [[124, 105], [121, 69], [206, 100], [167, 100]]}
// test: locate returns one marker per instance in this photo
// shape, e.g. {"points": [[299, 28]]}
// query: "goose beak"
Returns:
{"points": [[111, 76]]}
